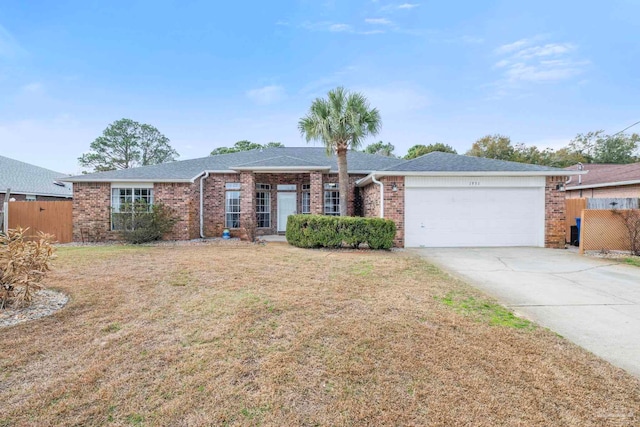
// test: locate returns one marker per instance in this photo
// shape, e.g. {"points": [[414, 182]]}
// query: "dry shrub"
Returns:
{"points": [[23, 264]]}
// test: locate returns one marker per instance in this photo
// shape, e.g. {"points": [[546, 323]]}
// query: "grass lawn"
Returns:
{"points": [[279, 336], [632, 261]]}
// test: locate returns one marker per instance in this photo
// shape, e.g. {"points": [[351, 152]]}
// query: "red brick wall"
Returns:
{"points": [[91, 212], [91, 205], [393, 203], [333, 178], [248, 206], [555, 213], [214, 203], [371, 200], [317, 193], [214, 206], [183, 199]]}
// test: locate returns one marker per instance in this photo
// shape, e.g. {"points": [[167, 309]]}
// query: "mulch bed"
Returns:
{"points": [[45, 303]]}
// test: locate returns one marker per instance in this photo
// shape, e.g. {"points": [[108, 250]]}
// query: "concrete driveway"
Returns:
{"points": [[593, 302]]}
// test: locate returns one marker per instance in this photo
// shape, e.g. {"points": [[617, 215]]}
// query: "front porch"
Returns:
{"points": [[257, 203]]}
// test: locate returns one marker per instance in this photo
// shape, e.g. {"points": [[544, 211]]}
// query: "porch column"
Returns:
{"points": [[317, 193], [248, 205]]}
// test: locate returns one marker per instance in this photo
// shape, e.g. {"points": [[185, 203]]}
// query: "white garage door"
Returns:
{"points": [[486, 211]]}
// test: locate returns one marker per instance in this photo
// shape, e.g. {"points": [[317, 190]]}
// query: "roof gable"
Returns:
{"points": [[281, 161]]}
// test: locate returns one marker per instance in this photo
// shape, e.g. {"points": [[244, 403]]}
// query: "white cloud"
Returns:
{"points": [[378, 21], [542, 72], [340, 28], [550, 49], [267, 95], [398, 6], [334, 27], [517, 45], [529, 61]]}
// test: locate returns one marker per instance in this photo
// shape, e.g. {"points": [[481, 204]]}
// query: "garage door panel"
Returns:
{"points": [[449, 217]]}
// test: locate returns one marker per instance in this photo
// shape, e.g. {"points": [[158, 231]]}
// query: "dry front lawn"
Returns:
{"points": [[279, 336]]}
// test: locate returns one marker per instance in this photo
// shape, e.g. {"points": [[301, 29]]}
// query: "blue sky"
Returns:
{"points": [[207, 74]]}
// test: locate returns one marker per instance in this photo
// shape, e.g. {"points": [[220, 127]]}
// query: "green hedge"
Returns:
{"points": [[320, 231]]}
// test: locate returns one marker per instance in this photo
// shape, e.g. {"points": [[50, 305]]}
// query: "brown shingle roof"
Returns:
{"points": [[602, 174]]}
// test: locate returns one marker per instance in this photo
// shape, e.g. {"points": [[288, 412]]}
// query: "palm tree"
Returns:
{"points": [[341, 122]]}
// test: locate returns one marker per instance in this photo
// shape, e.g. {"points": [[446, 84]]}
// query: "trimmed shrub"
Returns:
{"points": [[380, 233], [145, 223], [320, 231]]}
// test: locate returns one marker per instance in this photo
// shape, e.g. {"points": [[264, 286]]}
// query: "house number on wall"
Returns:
{"points": [[474, 183]]}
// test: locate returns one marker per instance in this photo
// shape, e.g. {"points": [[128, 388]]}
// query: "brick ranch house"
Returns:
{"points": [[605, 181], [435, 200]]}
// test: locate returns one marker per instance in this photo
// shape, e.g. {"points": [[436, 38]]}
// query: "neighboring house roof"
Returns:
{"points": [[23, 178], [605, 175], [283, 158]]}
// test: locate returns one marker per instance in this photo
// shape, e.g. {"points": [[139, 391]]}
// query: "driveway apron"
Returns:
{"points": [[593, 302]]}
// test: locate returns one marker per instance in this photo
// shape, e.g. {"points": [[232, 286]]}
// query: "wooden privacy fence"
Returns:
{"points": [[612, 203], [574, 210], [49, 217], [603, 229]]}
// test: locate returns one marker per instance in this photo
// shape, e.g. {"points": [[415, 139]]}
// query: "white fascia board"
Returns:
{"points": [[132, 184], [31, 193], [368, 179], [606, 184], [354, 172], [126, 180]]}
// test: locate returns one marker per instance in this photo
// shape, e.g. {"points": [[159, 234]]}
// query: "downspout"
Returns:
{"points": [[375, 181], [206, 175]]}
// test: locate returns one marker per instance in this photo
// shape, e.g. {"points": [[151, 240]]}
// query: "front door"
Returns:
{"points": [[286, 206]]}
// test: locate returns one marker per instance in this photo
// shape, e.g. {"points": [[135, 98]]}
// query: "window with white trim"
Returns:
{"points": [[306, 199], [127, 203], [232, 209], [331, 199], [263, 205], [30, 197]]}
